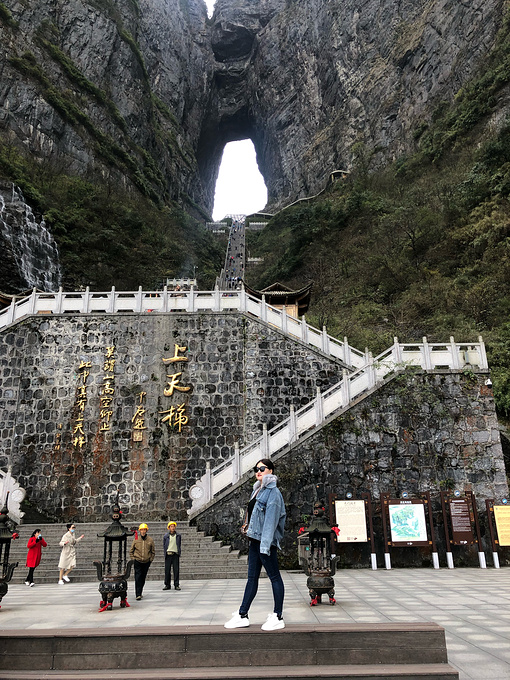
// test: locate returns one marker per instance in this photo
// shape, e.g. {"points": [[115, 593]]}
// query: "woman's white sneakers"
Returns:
{"points": [[237, 621], [273, 622]]}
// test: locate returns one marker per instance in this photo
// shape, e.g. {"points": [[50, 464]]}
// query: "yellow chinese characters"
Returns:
{"points": [[78, 438], [107, 390], [176, 358], [175, 416], [138, 419], [174, 385], [174, 379]]}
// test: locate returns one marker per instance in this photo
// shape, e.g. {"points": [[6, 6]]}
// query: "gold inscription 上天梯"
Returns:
{"points": [[175, 416]]}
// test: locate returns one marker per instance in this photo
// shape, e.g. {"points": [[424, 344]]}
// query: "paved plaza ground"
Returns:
{"points": [[473, 605]]}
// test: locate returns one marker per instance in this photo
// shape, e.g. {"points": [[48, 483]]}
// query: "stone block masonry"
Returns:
{"points": [[419, 431], [84, 409]]}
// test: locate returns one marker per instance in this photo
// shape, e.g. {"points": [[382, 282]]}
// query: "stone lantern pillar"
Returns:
{"points": [[316, 558], [6, 536], [113, 572]]}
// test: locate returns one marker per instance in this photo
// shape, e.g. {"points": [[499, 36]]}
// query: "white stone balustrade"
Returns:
{"points": [[425, 355], [8, 485], [184, 301]]}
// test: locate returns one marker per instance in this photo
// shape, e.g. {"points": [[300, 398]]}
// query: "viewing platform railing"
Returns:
{"points": [[398, 357], [184, 301]]}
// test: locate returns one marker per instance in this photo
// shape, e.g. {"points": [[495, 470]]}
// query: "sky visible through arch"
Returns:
{"points": [[240, 188], [210, 6]]}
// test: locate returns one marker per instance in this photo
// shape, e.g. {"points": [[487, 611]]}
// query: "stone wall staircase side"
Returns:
{"points": [[329, 405], [202, 556]]}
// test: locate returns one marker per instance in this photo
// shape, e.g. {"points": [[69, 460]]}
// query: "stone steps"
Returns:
{"points": [[363, 651], [369, 672], [202, 556]]}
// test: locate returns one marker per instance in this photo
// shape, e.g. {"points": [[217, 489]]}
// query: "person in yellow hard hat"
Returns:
{"points": [[172, 550], [142, 552]]}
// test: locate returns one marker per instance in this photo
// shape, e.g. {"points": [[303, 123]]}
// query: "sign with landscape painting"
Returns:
{"points": [[407, 522]]}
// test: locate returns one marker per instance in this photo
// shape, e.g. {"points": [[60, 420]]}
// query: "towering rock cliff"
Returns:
{"points": [[309, 79], [148, 92], [115, 86]]}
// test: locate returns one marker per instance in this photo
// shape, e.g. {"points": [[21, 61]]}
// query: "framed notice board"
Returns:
{"points": [[498, 514], [407, 523], [353, 517], [502, 519], [459, 518], [461, 525]]}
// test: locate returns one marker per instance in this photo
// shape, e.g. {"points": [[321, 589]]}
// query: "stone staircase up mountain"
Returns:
{"points": [[202, 557], [332, 403]]}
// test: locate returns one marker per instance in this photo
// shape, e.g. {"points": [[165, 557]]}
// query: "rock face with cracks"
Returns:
{"points": [[149, 92]]}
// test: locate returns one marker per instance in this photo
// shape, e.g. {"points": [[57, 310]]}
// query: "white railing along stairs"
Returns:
{"points": [[325, 406], [190, 301]]}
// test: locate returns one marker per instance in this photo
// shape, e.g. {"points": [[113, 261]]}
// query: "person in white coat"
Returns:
{"points": [[67, 560]]}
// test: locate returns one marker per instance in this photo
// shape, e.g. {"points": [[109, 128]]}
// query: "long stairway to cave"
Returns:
{"points": [[202, 556]]}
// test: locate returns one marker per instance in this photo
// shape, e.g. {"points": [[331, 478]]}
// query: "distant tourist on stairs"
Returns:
{"points": [[172, 551], [68, 555], [35, 545], [142, 552], [265, 522]]}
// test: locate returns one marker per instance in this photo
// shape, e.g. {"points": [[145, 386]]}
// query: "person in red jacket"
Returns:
{"points": [[35, 545]]}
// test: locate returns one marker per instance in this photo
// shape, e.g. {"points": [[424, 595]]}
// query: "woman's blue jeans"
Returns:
{"points": [[257, 560]]}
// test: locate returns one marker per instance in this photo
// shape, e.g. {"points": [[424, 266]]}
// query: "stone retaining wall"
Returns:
{"points": [[242, 373], [419, 432]]}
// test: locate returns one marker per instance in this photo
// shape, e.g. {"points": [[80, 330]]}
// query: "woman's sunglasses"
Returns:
{"points": [[261, 468]]}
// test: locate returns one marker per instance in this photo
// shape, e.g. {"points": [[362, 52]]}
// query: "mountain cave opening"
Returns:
{"points": [[240, 187], [210, 7]]}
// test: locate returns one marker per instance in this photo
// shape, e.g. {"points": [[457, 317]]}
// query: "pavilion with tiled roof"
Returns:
{"points": [[296, 302]]}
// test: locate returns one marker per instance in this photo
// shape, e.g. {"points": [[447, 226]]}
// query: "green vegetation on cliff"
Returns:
{"points": [[111, 237], [421, 247]]}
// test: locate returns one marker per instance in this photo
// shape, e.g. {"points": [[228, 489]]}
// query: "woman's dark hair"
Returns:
{"points": [[34, 532], [268, 463], [69, 525]]}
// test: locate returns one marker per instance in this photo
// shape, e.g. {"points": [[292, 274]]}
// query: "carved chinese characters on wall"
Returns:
{"points": [[175, 407], [78, 439], [107, 391], [175, 416], [138, 419]]}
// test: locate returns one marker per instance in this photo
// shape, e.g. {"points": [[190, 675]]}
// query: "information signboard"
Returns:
{"points": [[352, 521], [502, 518], [462, 528], [407, 522]]}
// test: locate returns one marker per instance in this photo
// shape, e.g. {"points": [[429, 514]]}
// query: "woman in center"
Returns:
{"points": [[266, 520]]}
